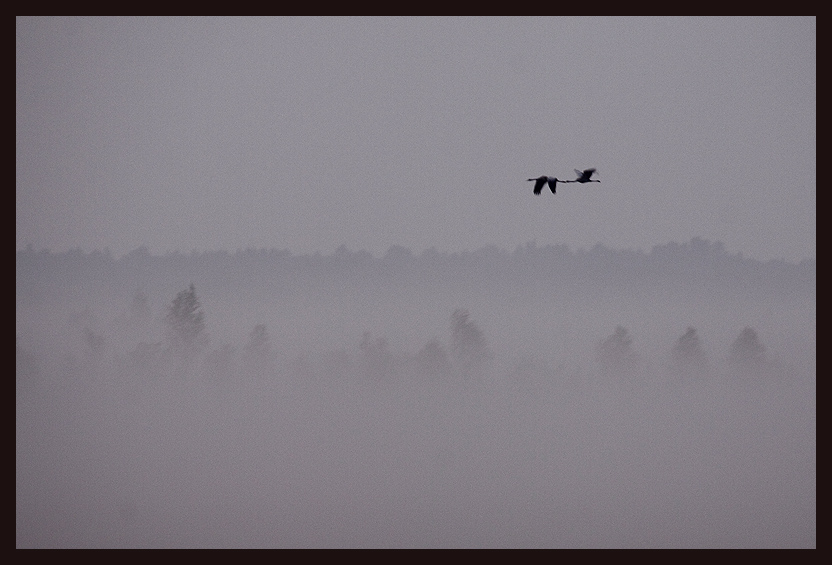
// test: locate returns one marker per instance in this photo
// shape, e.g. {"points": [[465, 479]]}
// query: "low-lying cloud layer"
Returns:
{"points": [[404, 411]]}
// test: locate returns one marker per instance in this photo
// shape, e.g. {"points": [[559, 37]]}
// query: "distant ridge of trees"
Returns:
{"points": [[696, 263], [697, 246]]}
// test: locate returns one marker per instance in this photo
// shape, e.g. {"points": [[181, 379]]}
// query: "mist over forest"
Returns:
{"points": [[538, 397]]}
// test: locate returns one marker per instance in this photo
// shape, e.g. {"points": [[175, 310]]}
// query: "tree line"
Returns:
{"points": [[466, 354], [693, 265]]}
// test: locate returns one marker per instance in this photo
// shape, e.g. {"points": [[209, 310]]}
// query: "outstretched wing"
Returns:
{"points": [[538, 185], [583, 176], [552, 184]]}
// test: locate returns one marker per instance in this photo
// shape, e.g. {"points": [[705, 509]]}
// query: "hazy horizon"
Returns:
{"points": [[395, 247]]}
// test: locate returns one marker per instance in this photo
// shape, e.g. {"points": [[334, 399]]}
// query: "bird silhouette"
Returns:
{"points": [[583, 176], [540, 181]]}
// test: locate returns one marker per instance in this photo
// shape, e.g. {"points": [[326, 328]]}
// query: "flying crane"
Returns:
{"points": [[540, 181], [583, 176]]}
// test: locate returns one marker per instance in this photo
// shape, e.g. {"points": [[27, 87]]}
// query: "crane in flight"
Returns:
{"points": [[540, 181], [583, 176]]}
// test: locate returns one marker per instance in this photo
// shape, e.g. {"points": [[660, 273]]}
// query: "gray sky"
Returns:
{"points": [[228, 133]]}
